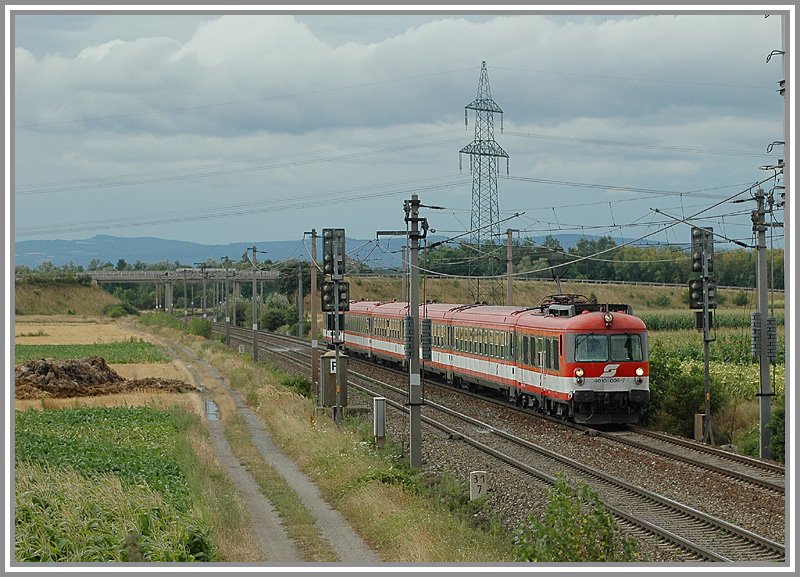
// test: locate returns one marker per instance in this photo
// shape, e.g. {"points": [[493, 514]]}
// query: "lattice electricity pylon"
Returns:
{"points": [[484, 163]]}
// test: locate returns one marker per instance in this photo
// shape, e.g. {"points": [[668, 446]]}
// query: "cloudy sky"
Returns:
{"points": [[219, 128]]}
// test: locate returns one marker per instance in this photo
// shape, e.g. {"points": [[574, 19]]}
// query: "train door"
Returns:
{"points": [[540, 361], [369, 337], [450, 344]]}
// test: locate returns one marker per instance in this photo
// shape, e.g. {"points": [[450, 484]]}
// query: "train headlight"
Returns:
{"points": [[639, 372], [579, 375], [608, 318]]}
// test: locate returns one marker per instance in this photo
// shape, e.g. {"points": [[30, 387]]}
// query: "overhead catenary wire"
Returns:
{"points": [[615, 247]]}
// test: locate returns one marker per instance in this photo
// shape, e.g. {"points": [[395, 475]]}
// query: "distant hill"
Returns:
{"points": [[384, 253]]}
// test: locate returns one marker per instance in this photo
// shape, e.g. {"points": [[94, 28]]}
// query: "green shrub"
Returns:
{"points": [[201, 327], [272, 318], [677, 392], [576, 527], [749, 443], [115, 311], [162, 319], [300, 385], [741, 299], [777, 430]]}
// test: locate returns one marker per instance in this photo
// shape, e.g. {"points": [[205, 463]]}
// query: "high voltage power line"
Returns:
{"points": [[642, 146], [272, 205], [167, 177]]}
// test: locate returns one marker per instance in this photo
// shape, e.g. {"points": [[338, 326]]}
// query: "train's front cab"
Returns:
{"points": [[606, 364]]}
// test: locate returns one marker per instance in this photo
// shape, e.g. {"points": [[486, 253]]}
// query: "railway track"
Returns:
{"points": [[699, 535], [755, 472], [764, 474]]}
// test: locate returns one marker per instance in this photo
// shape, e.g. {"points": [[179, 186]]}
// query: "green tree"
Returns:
{"points": [[576, 528], [677, 394]]}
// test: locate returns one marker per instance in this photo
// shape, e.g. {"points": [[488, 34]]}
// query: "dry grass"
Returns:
{"points": [[299, 523], [226, 510], [61, 300], [191, 402], [169, 371], [68, 329]]}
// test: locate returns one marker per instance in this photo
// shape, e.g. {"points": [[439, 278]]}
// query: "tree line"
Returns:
{"points": [[599, 259]]}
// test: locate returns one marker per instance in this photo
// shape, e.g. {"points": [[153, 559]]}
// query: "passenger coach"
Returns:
{"points": [[565, 357]]}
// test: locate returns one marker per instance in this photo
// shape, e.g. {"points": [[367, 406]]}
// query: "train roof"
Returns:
{"points": [[389, 308], [586, 320], [558, 315], [362, 306]]}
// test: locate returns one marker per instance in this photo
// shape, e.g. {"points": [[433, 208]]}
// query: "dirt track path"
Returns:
{"points": [[268, 530], [271, 536]]}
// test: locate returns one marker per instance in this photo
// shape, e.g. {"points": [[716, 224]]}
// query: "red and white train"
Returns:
{"points": [[567, 357]]}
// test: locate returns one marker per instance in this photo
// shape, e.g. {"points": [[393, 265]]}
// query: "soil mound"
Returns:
{"points": [[86, 377]]}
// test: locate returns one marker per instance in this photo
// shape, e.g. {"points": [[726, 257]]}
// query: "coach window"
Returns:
{"points": [[626, 348], [539, 353], [548, 360], [555, 353], [591, 348]]}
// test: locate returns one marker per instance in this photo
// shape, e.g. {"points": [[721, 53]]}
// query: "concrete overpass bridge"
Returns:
{"points": [[220, 278]]}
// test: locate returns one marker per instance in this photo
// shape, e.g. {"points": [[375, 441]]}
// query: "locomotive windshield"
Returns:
{"points": [[601, 348]]}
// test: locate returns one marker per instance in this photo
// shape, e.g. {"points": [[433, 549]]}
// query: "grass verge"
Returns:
{"points": [[299, 523]]}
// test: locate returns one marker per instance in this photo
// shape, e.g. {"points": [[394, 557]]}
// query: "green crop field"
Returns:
{"points": [[90, 479], [114, 353], [730, 346]]}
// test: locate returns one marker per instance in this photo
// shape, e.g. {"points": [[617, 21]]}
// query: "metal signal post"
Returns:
{"points": [[335, 300], [702, 295]]}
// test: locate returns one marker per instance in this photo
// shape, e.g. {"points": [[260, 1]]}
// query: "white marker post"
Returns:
{"points": [[478, 485]]}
